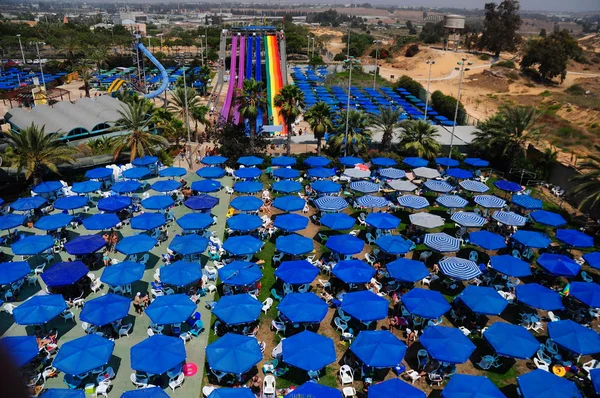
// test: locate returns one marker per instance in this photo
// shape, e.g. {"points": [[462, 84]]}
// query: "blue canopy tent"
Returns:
{"points": [[286, 174], [438, 186], [548, 218], [38, 310], [508, 186], [308, 351], [511, 340], [126, 186], [64, 273], [233, 353], [354, 271], [210, 172], [10, 221], [559, 265], [101, 222], [157, 354], [166, 186], [539, 383], [188, 244], [136, 173], [136, 244], [452, 201], [294, 244], [329, 203], [391, 173], [383, 162], [487, 240], [447, 162], [372, 202], [99, 173], [364, 187], [148, 221], [474, 186], [415, 162], [249, 173], [464, 386], [326, 186], [172, 172], [85, 244], [316, 161], [365, 306], [509, 218], [538, 296], [242, 245], [240, 273], [13, 271], [413, 202], [237, 309], [250, 160], [20, 349], [84, 187], [247, 203], [248, 187], [114, 203], [83, 354], [338, 221], [383, 221], [212, 160], [181, 273], [406, 270], [394, 388], [476, 162], [47, 187], [287, 186], [297, 272], [71, 202], [201, 202], [587, 293], [490, 201], [447, 344], [460, 174], [291, 222], [345, 244], [483, 300], [32, 245], [232, 392], [144, 161], [320, 172], [205, 186], [123, 273], [574, 337], [105, 309], [574, 238], [350, 161], [441, 242], [527, 202], [24, 204], [531, 239], [429, 304], [283, 161], [312, 389], [459, 268], [170, 309], [303, 308], [394, 244]]}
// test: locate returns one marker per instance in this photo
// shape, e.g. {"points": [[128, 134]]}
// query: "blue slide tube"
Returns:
{"points": [[163, 73], [258, 74]]}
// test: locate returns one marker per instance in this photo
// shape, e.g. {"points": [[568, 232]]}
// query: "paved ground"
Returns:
{"points": [[120, 359]]}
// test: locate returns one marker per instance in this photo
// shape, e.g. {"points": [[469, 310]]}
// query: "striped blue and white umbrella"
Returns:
{"points": [[426, 220], [438, 186], [426, 172], [413, 202], [364, 186], [331, 203], [357, 173], [490, 201], [372, 202], [468, 219], [391, 173], [459, 268], [442, 242], [474, 186], [452, 201], [402, 186], [527, 202], [509, 218]]}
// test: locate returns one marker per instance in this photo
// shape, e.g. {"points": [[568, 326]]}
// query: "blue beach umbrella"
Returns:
{"points": [[247, 173], [165, 186], [527, 202], [283, 161], [539, 383], [136, 244], [71, 202], [468, 219], [391, 173], [464, 386], [548, 218], [459, 174], [210, 172], [383, 162], [123, 273], [452, 201], [159, 202], [136, 173], [20, 349], [287, 186], [38, 310], [170, 309], [415, 162], [144, 161], [459, 268], [64, 273], [575, 238], [442, 242], [483, 300], [364, 186], [233, 353], [250, 160], [85, 187], [148, 221], [330, 203], [511, 266], [365, 306], [9, 221], [384, 221], [248, 187], [372, 202], [99, 173], [172, 172], [201, 202], [181, 273], [394, 388], [378, 348], [204, 186], [511, 340], [308, 351], [312, 389], [447, 344], [240, 273], [474, 186], [587, 293], [574, 337], [105, 309], [114, 204], [157, 355], [487, 240], [476, 162], [188, 244], [532, 239], [559, 265], [32, 245], [242, 245], [428, 304], [85, 244], [394, 244], [232, 392], [100, 222], [294, 244], [538, 296], [291, 222], [508, 186], [593, 259], [286, 174], [47, 187], [303, 308], [509, 218], [297, 272], [326, 186], [447, 162], [126, 186], [212, 160], [490, 201], [354, 271], [320, 172], [316, 161], [24, 204], [13, 271], [345, 244], [247, 203], [244, 222], [83, 354], [406, 270], [438, 186], [350, 161], [413, 202], [338, 221], [289, 203], [237, 309]]}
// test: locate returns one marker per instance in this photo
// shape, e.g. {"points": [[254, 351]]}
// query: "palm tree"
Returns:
{"points": [[588, 183], [249, 100], [419, 138], [70, 46], [35, 151], [85, 74], [98, 55], [388, 120], [198, 114], [135, 121], [359, 136], [318, 117], [290, 101], [546, 162], [177, 101]]}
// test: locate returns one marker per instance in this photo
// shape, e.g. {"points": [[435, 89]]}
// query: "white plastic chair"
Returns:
{"points": [[102, 388], [542, 356], [553, 318], [125, 329], [176, 382], [346, 375], [541, 365], [138, 382], [340, 324], [269, 385], [413, 375], [267, 304], [586, 277], [66, 315], [349, 392]]}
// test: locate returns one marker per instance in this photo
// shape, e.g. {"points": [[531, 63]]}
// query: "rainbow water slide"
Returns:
{"points": [[258, 74], [249, 56], [274, 80], [240, 76], [232, 75]]}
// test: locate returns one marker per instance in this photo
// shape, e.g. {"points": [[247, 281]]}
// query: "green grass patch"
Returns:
{"points": [[504, 64], [545, 93], [503, 379]]}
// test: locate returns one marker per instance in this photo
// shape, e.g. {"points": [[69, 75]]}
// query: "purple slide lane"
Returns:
{"points": [[232, 80]]}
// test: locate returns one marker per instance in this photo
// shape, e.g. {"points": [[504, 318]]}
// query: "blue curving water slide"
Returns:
{"points": [[163, 73]]}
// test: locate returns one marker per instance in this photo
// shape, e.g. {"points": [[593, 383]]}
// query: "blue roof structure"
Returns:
{"points": [[250, 160], [394, 388], [508, 186], [283, 161], [527, 202], [294, 244], [123, 273], [382, 220], [13, 271], [136, 244], [378, 348], [487, 240], [483, 300], [574, 238], [428, 304], [308, 351], [47, 187], [105, 309], [237, 309], [353, 271], [212, 160], [394, 244], [512, 341], [365, 306], [345, 244], [84, 187], [463, 386], [84, 354], [114, 203], [30, 203], [85, 244], [201, 202], [206, 186], [574, 337], [317, 161], [532, 239], [338, 221], [181, 273], [101, 221], [233, 353], [538, 296], [291, 222], [586, 292], [126, 186], [559, 265], [99, 173], [539, 383], [244, 222], [64, 273], [71, 202], [157, 354], [210, 172], [11, 220], [303, 308], [312, 389], [247, 203], [170, 309], [297, 272], [38, 310], [548, 218], [240, 273], [406, 270], [447, 344]]}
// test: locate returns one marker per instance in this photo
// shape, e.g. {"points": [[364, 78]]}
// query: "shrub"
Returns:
{"points": [[484, 57], [575, 89], [504, 64], [339, 57], [410, 85], [512, 75], [545, 93], [445, 105]]}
